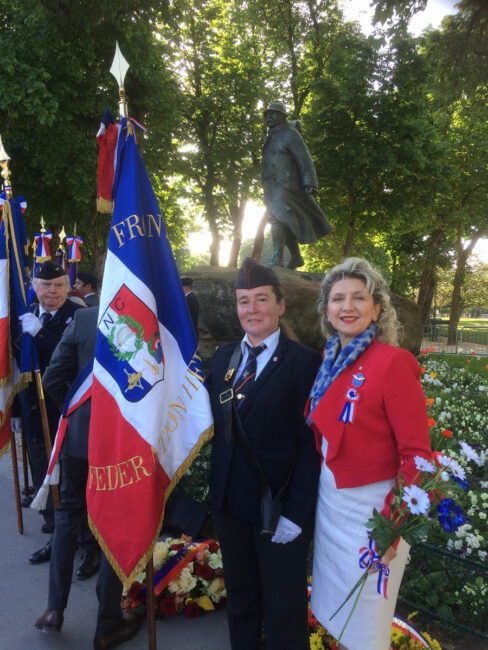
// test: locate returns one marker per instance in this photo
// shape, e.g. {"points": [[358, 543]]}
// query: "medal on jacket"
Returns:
{"points": [[352, 398]]}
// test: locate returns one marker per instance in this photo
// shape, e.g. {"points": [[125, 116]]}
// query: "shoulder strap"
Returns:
{"points": [[231, 415]]}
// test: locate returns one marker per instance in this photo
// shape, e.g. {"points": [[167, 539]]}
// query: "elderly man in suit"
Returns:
{"points": [[87, 285], [75, 350], [258, 390], [46, 324]]}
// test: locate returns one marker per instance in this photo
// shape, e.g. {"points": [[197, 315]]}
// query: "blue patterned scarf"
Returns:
{"points": [[332, 367]]}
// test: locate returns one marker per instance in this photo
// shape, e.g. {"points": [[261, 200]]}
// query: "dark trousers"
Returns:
{"points": [[266, 584], [70, 519], [36, 451], [109, 593]]}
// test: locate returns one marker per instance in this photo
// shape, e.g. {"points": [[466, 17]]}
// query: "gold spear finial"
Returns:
{"points": [[43, 224], [119, 69], [4, 159], [62, 235]]}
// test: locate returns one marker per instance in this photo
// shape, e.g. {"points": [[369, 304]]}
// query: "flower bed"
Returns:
{"points": [[435, 581]]}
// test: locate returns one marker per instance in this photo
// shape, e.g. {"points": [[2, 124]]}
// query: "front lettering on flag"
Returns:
{"points": [[129, 345]]}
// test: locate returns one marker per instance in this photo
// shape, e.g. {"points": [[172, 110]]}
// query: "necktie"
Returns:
{"points": [[247, 377], [45, 317]]}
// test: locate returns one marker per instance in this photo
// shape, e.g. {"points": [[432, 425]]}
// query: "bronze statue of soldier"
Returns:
{"points": [[289, 181]]}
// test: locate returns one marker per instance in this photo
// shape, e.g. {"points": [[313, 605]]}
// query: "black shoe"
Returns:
{"points": [[89, 565], [45, 528], [26, 501], [42, 555], [127, 629], [50, 621]]}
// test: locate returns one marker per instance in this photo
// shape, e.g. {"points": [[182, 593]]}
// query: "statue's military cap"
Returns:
{"points": [[276, 106]]}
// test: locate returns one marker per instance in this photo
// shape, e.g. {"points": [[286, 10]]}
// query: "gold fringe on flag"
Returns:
{"points": [[127, 581], [104, 205]]}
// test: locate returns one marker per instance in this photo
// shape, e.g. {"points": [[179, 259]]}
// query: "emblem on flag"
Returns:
{"points": [[130, 345]]}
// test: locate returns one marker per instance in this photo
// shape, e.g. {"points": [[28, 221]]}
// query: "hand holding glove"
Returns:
{"points": [[286, 531], [30, 323]]}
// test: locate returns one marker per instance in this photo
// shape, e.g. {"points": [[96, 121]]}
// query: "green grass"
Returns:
{"points": [[473, 364]]}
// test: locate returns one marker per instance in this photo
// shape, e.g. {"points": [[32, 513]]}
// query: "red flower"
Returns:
{"points": [[468, 360], [423, 369], [431, 422], [176, 547], [204, 571], [192, 610], [168, 606], [446, 433], [422, 353], [213, 547], [134, 590]]}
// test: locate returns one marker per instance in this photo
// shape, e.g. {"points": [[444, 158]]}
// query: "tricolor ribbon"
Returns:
{"points": [[74, 242], [42, 246], [347, 413], [175, 565], [368, 557]]}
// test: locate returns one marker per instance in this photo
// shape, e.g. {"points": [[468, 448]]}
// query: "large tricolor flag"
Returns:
{"points": [[150, 407], [15, 347]]}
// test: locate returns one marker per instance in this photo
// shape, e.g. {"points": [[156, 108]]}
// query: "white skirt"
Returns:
{"points": [[339, 534]]}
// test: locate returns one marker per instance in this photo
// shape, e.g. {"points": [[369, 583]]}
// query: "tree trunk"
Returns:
{"points": [[462, 255], [346, 251], [237, 214], [259, 239], [427, 279]]}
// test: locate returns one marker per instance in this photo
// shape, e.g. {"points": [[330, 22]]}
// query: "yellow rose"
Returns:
{"points": [[184, 582], [160, 555], [216, 589]]}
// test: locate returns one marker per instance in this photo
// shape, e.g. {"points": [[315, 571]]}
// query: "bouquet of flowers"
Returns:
{"points": [[412, 510], [188, 577]]}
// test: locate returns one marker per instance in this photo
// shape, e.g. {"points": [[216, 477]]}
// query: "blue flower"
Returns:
{"points": [[450, 515], [462, 482]]}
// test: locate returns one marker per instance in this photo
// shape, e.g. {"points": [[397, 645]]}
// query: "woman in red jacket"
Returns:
{"points": [[368, 411]]}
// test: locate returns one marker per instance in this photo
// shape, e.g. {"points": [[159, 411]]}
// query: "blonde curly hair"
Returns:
{"points": [[387, 325]]}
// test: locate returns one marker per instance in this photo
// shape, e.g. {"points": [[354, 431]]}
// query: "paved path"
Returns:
{"points": [[24, 596]]}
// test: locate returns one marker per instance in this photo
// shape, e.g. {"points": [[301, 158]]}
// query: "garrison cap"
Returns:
{"points": [[50, 270], [252, 275]]}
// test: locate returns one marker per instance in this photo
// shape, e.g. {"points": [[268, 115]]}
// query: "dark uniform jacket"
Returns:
{"points": [[45, 341], [75, 349], [272, 416]]}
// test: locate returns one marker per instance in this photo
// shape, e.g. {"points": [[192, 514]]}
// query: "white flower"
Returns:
{"points": [[444, 476], [215, 561], [216, 589], [458, 544], [416, 499], [424, 465], [482, 555], [482, 515], [470, 453], [184, 582], [457, 470]]}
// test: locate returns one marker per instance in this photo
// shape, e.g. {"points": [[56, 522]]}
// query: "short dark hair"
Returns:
{"points": [[186, 282], [88, 278], [277, 292]]}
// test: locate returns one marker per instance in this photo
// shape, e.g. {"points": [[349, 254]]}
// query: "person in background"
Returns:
{"points": [[191, 301], [74, 351], [368, 411], [46, 323], [258, 390], [87, 285]]}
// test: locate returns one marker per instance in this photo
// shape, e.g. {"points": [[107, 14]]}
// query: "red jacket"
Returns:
{"points": [[389, 423]]}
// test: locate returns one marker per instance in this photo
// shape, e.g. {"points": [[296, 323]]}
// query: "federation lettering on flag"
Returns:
{"points": [[150, 407]]}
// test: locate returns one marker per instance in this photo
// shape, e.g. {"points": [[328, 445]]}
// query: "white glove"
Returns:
{"points": [[30, 323], [286, 531], [15, 425]]}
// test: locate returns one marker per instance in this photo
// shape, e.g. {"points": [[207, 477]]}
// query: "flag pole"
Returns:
{"points": [[4, 161], [119, 69]]}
